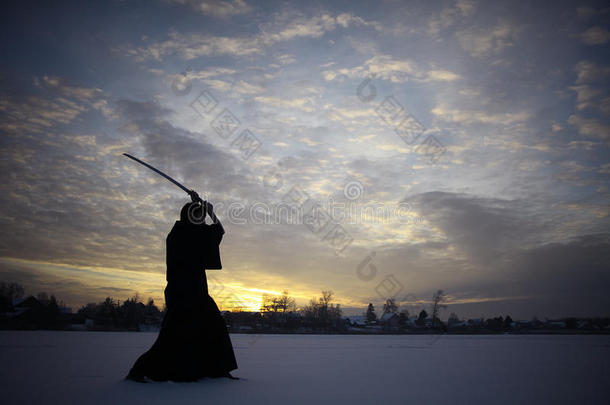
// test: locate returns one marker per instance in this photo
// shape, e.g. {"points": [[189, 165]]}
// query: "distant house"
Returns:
{"points": [[411, 321], [146, 327], [390, 321], [358, 321], [556, 324], [22, 307], [17, 301], [427, 322], [517, 325], [458, 324]]}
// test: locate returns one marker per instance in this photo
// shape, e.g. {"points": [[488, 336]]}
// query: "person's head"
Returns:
{"points": [[193, 213]]}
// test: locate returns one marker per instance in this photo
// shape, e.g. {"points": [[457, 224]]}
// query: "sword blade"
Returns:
{"points": [[158, 172]]}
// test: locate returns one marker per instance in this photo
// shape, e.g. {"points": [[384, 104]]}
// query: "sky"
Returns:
{"points": [[374, 149]]}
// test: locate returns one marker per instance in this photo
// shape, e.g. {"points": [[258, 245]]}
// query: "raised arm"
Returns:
{"points": [[212, 214], [209, 208]]}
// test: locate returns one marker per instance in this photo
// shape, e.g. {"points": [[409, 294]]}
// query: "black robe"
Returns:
{"points": [[193, 342]]}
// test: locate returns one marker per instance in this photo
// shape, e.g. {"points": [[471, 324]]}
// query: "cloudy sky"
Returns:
{"points": [[373, 149]]}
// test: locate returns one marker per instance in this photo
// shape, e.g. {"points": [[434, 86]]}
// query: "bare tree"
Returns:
{"points": [[275, 310], [390, 306], [438, 300], [267, 304], [285, 303], [43, 297], [9, 292], [322, 312]]}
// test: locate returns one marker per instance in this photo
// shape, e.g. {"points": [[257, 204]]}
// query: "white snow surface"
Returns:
{"points": [[88, 367]]}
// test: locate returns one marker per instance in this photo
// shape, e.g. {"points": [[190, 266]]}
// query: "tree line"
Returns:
{"points": [[47, 312], [132, 314], [277, 314]]}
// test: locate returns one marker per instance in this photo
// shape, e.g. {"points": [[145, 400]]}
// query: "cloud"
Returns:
{"points": [[443, 76], [605, 106], [483, 42], [244, 87], [141, 111], [591, 86], [305, 104], [95, 197], [309, 27], [386, 67], [217, 8], [188, 154], [347, 19], [473, 116], [78, 285], [59, 85], [57, 103], [482, 227], [392, 148], [604, 169], [585, 94], [467, 7], [351, 114], [313, 27], [585, 12], [449, 15], [595, 36], [207, 73], [590, 72], [36, 114], [285, 59], [195, 45], [507, 242], [567, 274], [590, 127]]}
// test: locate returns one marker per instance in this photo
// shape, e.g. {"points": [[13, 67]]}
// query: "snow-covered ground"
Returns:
{"points": [[88, 367]]}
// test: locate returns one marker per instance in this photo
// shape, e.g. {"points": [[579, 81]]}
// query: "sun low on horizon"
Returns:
{"points": [[373, 149]]}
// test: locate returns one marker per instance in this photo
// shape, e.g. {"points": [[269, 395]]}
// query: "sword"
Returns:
{"points": [[189, 192]]}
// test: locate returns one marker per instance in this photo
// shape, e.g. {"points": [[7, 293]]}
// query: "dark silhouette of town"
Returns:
{"points": [[277, 314]]}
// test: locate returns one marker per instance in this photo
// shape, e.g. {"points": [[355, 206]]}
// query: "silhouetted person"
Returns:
{"points": [[193, 342]]}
